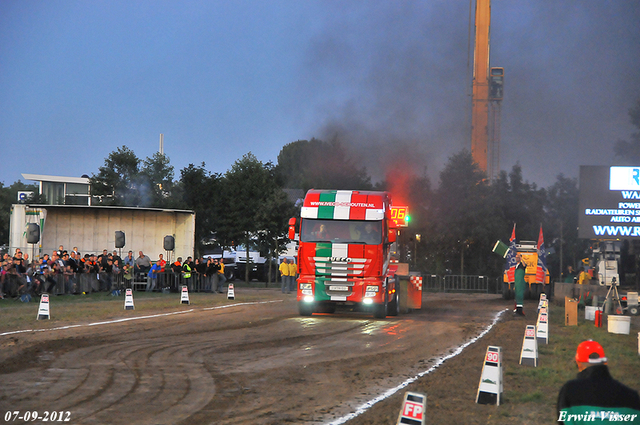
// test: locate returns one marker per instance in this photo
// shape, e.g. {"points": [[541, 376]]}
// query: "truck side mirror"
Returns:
{"points": [[391, 235], [292, 228]]}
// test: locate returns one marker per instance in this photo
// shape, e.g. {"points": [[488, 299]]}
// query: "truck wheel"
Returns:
{"points": [[380, 310], [230, 275], [394, 305], [306, 309]]}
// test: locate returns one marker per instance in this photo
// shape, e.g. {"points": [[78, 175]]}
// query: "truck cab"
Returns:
{"points": [[344, 252]]}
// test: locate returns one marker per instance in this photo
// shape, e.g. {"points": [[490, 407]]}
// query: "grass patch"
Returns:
{"points": [[557, 365], [535, 396], [98, 306]]}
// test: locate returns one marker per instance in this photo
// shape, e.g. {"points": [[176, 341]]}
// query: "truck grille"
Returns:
{"points": [[339, 267]]}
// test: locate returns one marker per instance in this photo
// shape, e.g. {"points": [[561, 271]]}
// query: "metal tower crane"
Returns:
{"points": [[486, 97]]}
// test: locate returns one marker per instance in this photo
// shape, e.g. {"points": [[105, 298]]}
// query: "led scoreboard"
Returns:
{"points": [[609, 202], [400, 216]]}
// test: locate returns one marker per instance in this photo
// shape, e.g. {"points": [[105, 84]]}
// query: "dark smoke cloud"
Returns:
{"points": [[401, 72]]}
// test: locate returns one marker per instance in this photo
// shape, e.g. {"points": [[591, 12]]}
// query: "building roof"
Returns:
{"points": [[106, 207], [55, 179]]}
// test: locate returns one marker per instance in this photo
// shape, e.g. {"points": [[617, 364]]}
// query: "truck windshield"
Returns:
{"points": [[339, 231]]}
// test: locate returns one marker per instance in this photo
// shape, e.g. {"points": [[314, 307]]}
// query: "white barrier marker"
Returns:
{"points": [[542, 328], [413, 409], [128, 300], [529, 353], [543, 302], [490, 387], [231, 293], [184, 297], [43, 309]]}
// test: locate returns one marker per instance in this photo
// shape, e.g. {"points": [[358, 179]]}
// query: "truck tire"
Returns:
{"points": [[306, 309], [230, 274], [394, 305], [380, 310]]}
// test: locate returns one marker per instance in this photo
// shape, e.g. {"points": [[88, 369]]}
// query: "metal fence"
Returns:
{"points": [[12, 285], [459, 283]]}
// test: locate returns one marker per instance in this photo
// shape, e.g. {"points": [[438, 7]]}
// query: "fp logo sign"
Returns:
{"points": [[413, 409]]}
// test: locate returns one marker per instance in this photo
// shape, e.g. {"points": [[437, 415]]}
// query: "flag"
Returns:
{"points": [[541, 270], [511, 256]]}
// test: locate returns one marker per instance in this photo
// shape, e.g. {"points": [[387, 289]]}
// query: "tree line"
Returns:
{"points": [[458, 219]]}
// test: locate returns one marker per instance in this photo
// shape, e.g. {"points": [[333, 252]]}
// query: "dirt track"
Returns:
{"points": [[258, 363]]}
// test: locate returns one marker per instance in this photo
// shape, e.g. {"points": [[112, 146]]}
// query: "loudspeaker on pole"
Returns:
{"points": [[120, 239], [33, 233], [169, 243]]}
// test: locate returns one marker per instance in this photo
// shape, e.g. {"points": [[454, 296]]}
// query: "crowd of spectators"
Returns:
{"points": [[69, 272]]}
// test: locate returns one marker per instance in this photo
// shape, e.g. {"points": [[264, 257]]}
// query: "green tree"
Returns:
{"points": [[307, 164], [462, 221], [116, 181], [252, 203], [201, 192], [157, 182], [126, 180], [520, 202], [275, 215]]}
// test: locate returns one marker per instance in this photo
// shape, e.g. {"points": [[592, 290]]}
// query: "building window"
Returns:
{"points": [[54, 192]]}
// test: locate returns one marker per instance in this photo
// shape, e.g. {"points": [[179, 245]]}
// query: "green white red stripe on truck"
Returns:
{"points": [[342, 205]]}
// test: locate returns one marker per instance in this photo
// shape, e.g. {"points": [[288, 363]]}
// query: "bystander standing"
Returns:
{"points": [[284, 276]]}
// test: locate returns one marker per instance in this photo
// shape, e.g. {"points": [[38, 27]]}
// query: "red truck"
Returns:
{"points": [[344, 256]]}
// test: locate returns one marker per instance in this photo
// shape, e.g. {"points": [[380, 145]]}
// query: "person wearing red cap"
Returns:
{"points": [[594, 396]]}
